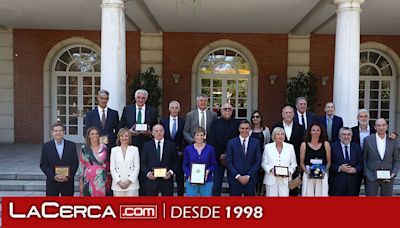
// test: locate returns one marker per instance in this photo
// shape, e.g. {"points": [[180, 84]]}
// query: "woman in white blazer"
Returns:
{"points": [[125, 166], [278, 153]]}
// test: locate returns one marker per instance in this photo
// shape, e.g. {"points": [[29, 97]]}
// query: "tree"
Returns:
{"points": [[147, 80], [303, 85]]}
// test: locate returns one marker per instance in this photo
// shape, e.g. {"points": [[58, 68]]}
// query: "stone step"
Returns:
{"points": [[26, 185]]}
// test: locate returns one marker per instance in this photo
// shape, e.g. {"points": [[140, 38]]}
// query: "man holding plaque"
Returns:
{"points": [[139, 118], [105, 119], [243, 157], [59, 161], [381, 161], [347, 163], [158, 163]]}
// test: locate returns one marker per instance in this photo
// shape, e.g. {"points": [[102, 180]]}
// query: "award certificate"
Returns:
{"points": [[198, 172]]}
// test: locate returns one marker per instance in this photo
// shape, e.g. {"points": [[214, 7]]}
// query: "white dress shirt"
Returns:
{"points": [[288, 130], [205, 118], [143, 108], [100, 110], [171, 123], [305, 118], [363, 134], [381, 144]]}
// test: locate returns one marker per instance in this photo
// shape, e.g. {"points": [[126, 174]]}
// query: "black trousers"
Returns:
{"points": [[54, 188]]}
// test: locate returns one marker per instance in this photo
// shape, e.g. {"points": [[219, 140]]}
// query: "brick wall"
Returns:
{"points": [[270, 52], [32, 47]]}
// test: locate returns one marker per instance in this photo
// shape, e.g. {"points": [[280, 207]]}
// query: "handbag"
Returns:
{"points": [[295, 183]]}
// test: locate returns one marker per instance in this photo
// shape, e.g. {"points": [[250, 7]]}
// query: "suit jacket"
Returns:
{"points": [[271, 158], [296, 138], [93, 119], [356, 133], [128, 119], [311, 118], [192, 122], [149, 160], [372, 160], [125, 168], [49, 159], [339, 180], [178, 140], [337, 123], [239, 163]]}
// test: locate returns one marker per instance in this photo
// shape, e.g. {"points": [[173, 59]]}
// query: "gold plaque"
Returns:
{"points": [[62, 170], [104, 139], [160, 172]]}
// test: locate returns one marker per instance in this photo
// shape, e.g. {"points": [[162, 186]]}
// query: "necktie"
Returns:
{"points": [[202, 120], [329, 129], [244, 146], [159, 150], [346, 151], [303, 122], [173, 133], [103, 119], [139, 116]]}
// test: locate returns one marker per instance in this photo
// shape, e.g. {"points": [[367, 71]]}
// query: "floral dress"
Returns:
{"points": [[95, 171]]}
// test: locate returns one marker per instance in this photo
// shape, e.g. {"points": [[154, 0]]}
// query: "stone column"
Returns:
{"points": [[347, 57], [113, 52]]}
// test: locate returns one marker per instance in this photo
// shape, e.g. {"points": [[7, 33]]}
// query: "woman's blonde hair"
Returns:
{"points": [[120, 133]]}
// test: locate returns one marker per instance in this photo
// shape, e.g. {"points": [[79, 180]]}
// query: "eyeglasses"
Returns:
{"points": [[256, 117], [227, 109]]}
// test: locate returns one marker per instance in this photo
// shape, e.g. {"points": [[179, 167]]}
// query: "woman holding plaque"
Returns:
{"points": [[125, 166], [94, 178], [279, 163], [199, 162], [315, 160]]}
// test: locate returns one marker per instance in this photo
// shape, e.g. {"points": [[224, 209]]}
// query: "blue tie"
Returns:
{"points": [[173, 133], [347, 153]]}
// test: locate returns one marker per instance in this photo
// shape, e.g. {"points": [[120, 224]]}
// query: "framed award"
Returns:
{"points": [[104, 139], [62, 170], [141, 127], [197, 174], [383, 174], [281, 171], [160, 172]]}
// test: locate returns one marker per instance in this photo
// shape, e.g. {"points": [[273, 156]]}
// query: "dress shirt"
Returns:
{"points": [[381, 144], [171, 123], [246, 143], [162, 151], [344, 150], [288, 130], [100, 110], [60, 148], [363, 134], [205, 118], [143, 117], [305, 118]]}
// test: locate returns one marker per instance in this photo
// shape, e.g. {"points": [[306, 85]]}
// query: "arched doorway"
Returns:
{"points": [[377, 88], [226, 71], [75, 80]]}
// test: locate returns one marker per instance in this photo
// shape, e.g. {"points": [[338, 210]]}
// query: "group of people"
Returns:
{"points": [[139, 156]]}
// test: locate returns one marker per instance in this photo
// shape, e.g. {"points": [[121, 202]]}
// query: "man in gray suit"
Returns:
{"points": [[200, 117], [380, 154]]}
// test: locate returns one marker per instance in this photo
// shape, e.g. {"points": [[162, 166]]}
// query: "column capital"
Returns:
{"points": [[348, 4], [113, 4]]}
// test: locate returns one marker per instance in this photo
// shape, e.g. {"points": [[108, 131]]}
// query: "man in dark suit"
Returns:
{"points": [[221, 131], [331, 122], [139, 113], [303, 117], [380, 153], [59, 153], [200, 117], [243, 157], [158, 153], [105, 119], [347, 162], [173, 126], [294, 134]]}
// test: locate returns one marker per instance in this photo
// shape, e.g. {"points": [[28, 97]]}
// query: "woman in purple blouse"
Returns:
{"points": [[200, 153]]}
